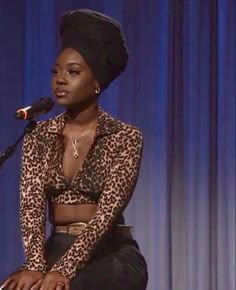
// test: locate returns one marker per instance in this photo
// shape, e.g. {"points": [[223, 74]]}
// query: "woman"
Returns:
{"points": [[85, 164]]}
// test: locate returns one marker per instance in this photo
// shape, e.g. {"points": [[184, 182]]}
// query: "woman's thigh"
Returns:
{"points": [[116, 264], [125, 269]]}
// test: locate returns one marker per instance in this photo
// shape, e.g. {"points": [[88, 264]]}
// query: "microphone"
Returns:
{"points": [[42, 106]]}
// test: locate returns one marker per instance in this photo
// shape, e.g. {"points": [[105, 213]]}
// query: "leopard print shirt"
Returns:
{"points": [[107, 178]]}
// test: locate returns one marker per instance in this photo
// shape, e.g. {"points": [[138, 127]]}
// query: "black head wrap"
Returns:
{"points": [[99, 39]]}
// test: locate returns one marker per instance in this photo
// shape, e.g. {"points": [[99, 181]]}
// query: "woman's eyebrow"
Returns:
{"points": [[70, 64]]}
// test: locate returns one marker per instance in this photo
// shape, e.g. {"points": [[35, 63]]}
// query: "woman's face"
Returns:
{"points": [[72, 82]]}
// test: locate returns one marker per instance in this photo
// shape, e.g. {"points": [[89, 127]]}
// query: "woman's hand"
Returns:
{"points": [[23, 280], [55, 281]]}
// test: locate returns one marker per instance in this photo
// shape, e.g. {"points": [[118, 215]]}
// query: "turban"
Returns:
{"points": [[99, 39]]}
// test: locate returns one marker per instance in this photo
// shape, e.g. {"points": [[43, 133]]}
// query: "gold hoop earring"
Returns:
{"points": [[97, 91]]}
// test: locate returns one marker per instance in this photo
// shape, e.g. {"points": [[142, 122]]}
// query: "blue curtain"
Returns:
{"points": [[179, 88]]}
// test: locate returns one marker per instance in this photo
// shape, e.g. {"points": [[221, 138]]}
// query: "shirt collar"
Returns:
{"points": [[106, 124]]}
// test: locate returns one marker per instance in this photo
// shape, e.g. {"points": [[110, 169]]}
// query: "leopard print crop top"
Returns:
{"points": [[108, 178]]}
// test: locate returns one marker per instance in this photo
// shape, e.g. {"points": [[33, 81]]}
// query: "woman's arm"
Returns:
{"points": [[114, 198], [32, 202]]}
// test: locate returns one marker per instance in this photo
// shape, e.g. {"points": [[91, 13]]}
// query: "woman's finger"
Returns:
{"points": [[67, 286], [20, 286], [59, 286], [5, 283], [36, 286], [45, 284], [10, 285], [52, 285]]}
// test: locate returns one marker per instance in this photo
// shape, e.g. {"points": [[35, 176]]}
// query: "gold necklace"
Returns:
{"points": [[76, 141]]}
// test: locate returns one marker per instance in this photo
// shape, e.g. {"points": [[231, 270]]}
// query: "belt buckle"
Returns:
{"points": [[74, 229], [126, 230]]}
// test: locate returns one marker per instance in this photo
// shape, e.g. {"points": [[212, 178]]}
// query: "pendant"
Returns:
{"points": [[75, 142], [75, 154]]}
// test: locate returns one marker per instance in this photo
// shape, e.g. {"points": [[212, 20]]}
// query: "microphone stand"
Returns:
{"points": [[11, 149]]}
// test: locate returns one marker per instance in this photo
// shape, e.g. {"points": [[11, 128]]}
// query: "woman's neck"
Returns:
{"points": [[82, 117]]}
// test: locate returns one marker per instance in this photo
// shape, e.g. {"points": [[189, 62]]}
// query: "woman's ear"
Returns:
{"points": [[97, 88]]}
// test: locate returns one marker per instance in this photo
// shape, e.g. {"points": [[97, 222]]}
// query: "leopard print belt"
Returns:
{"points": [[75, 229]]}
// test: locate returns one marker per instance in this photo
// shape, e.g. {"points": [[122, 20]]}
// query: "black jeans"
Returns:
{"points": [[116, 263]]}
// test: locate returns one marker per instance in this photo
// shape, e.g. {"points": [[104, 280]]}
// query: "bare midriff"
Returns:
{"points": [[67, 213]]}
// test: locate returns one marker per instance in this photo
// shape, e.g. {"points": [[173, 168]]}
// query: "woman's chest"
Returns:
{"points": [[91, 174]]}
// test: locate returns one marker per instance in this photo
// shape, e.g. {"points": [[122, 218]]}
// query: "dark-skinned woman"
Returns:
{"points": [[84, 165]]}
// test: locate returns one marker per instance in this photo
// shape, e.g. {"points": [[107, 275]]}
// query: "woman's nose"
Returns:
{"points": [[61, 80]]}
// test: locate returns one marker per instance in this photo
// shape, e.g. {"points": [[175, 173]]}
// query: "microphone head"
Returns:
{"points": [[41, 106], [20, 114]]}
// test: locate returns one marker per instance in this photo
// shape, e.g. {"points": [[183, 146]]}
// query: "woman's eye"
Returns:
{"points": [[73, 72], [54, 71]]}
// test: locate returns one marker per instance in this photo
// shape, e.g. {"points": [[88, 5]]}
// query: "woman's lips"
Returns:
{"points": [[61, 93]]}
